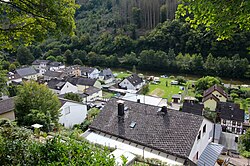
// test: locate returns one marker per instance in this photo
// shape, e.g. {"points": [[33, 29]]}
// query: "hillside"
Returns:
{"points": [[125, 33]]}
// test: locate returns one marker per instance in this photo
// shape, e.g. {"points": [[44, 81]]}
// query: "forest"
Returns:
{"points": [[140, 33]]}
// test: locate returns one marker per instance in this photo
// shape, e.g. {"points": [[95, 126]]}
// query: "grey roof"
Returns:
{"points": [[107, 73], [38, 62], [210, 155], [56, 84], [7, 105], [53, 74], [215, 88], [193, 108], [82, 81], [173, 132], [85, 69], [134, 79], [55, 64], [26, 71], [230, 111], [91, 90]]}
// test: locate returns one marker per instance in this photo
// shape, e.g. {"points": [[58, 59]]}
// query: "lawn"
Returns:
{"points": [[161, 90], [121, 75], [107, 95]]}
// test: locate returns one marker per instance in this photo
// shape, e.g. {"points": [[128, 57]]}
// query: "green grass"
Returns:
{"points": [[107, 95], [161, 90], [121, 75]]}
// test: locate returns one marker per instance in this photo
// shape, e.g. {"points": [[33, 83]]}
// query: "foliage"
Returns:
{"points": [[92, 113], [36, 103], [215, 15], [12, 67], [51, 58], [29, 20], [24, 55], [244, 144], [204, 83], [145, 89], [3, 78], [181, 80], [18, 147], [73, 96]]}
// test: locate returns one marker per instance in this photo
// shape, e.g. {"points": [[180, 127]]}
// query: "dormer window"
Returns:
{"points": [[199, 135]]}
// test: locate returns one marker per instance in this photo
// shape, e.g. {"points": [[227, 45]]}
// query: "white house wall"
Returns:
{"points": [[68, 87], [94, 74], [72, 113], [200, 145], [126, 84], [94, 96]]}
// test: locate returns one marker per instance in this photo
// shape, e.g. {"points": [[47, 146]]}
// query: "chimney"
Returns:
{"points": [[120, 107], [138, 100], [164, 109]]}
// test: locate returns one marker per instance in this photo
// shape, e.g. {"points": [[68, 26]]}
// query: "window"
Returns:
{"points": [[233, 129], [238, 130], [238, 123], [224, 121], [199, 135], [234, 123], [197, 156], [204, 128], [236, 139]]}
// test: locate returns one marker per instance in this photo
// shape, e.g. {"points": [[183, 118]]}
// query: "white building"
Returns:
{"points": [[28, 73], [41, 66], [72, 113], [133, 82], [61, 87], [55, 66], [89, 72]]}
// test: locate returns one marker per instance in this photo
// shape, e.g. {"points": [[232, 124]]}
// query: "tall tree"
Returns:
{"points": [[36, 103], [24, 55], [23, 21]]}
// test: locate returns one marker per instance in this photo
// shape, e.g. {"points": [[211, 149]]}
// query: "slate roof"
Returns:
{"points": [[56, 84], [7, 105], [55, 64], [107, 73], [81, 81], [134, 79], [53, 74], [173, 132], [230, 111], [26, 71], [91, 90], [209, 97], [13, 75], [85, 69], [215, 88], [193, 108], [38, 62]]}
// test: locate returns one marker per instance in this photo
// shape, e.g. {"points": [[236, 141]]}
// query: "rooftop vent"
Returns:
{"points": [[120, 107], [132, 125]]}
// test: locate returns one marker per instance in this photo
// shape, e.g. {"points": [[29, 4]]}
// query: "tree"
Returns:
{"points": [[77, 62], [223, 17], [24, 56], [244, 144], [3, 79], [18, 147], [51, 58], [206, 82], [69, 57], [145, 89], [29, 20], [35, 103], [12, 67], [73, 96]]}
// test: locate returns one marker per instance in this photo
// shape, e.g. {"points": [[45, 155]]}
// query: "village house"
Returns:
{"points": [[232, 117], [72, 71], [72, 113], [212, 96], [28, 73], [89, 72], [84, 83], [176, 98], [106, 76], [150, 100], [14, 78], [91, 94], [61, 86], [41, 66], [193, 108], [55, 66], [48, 75], [7, 107], [132, 82], [174, 137]]}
